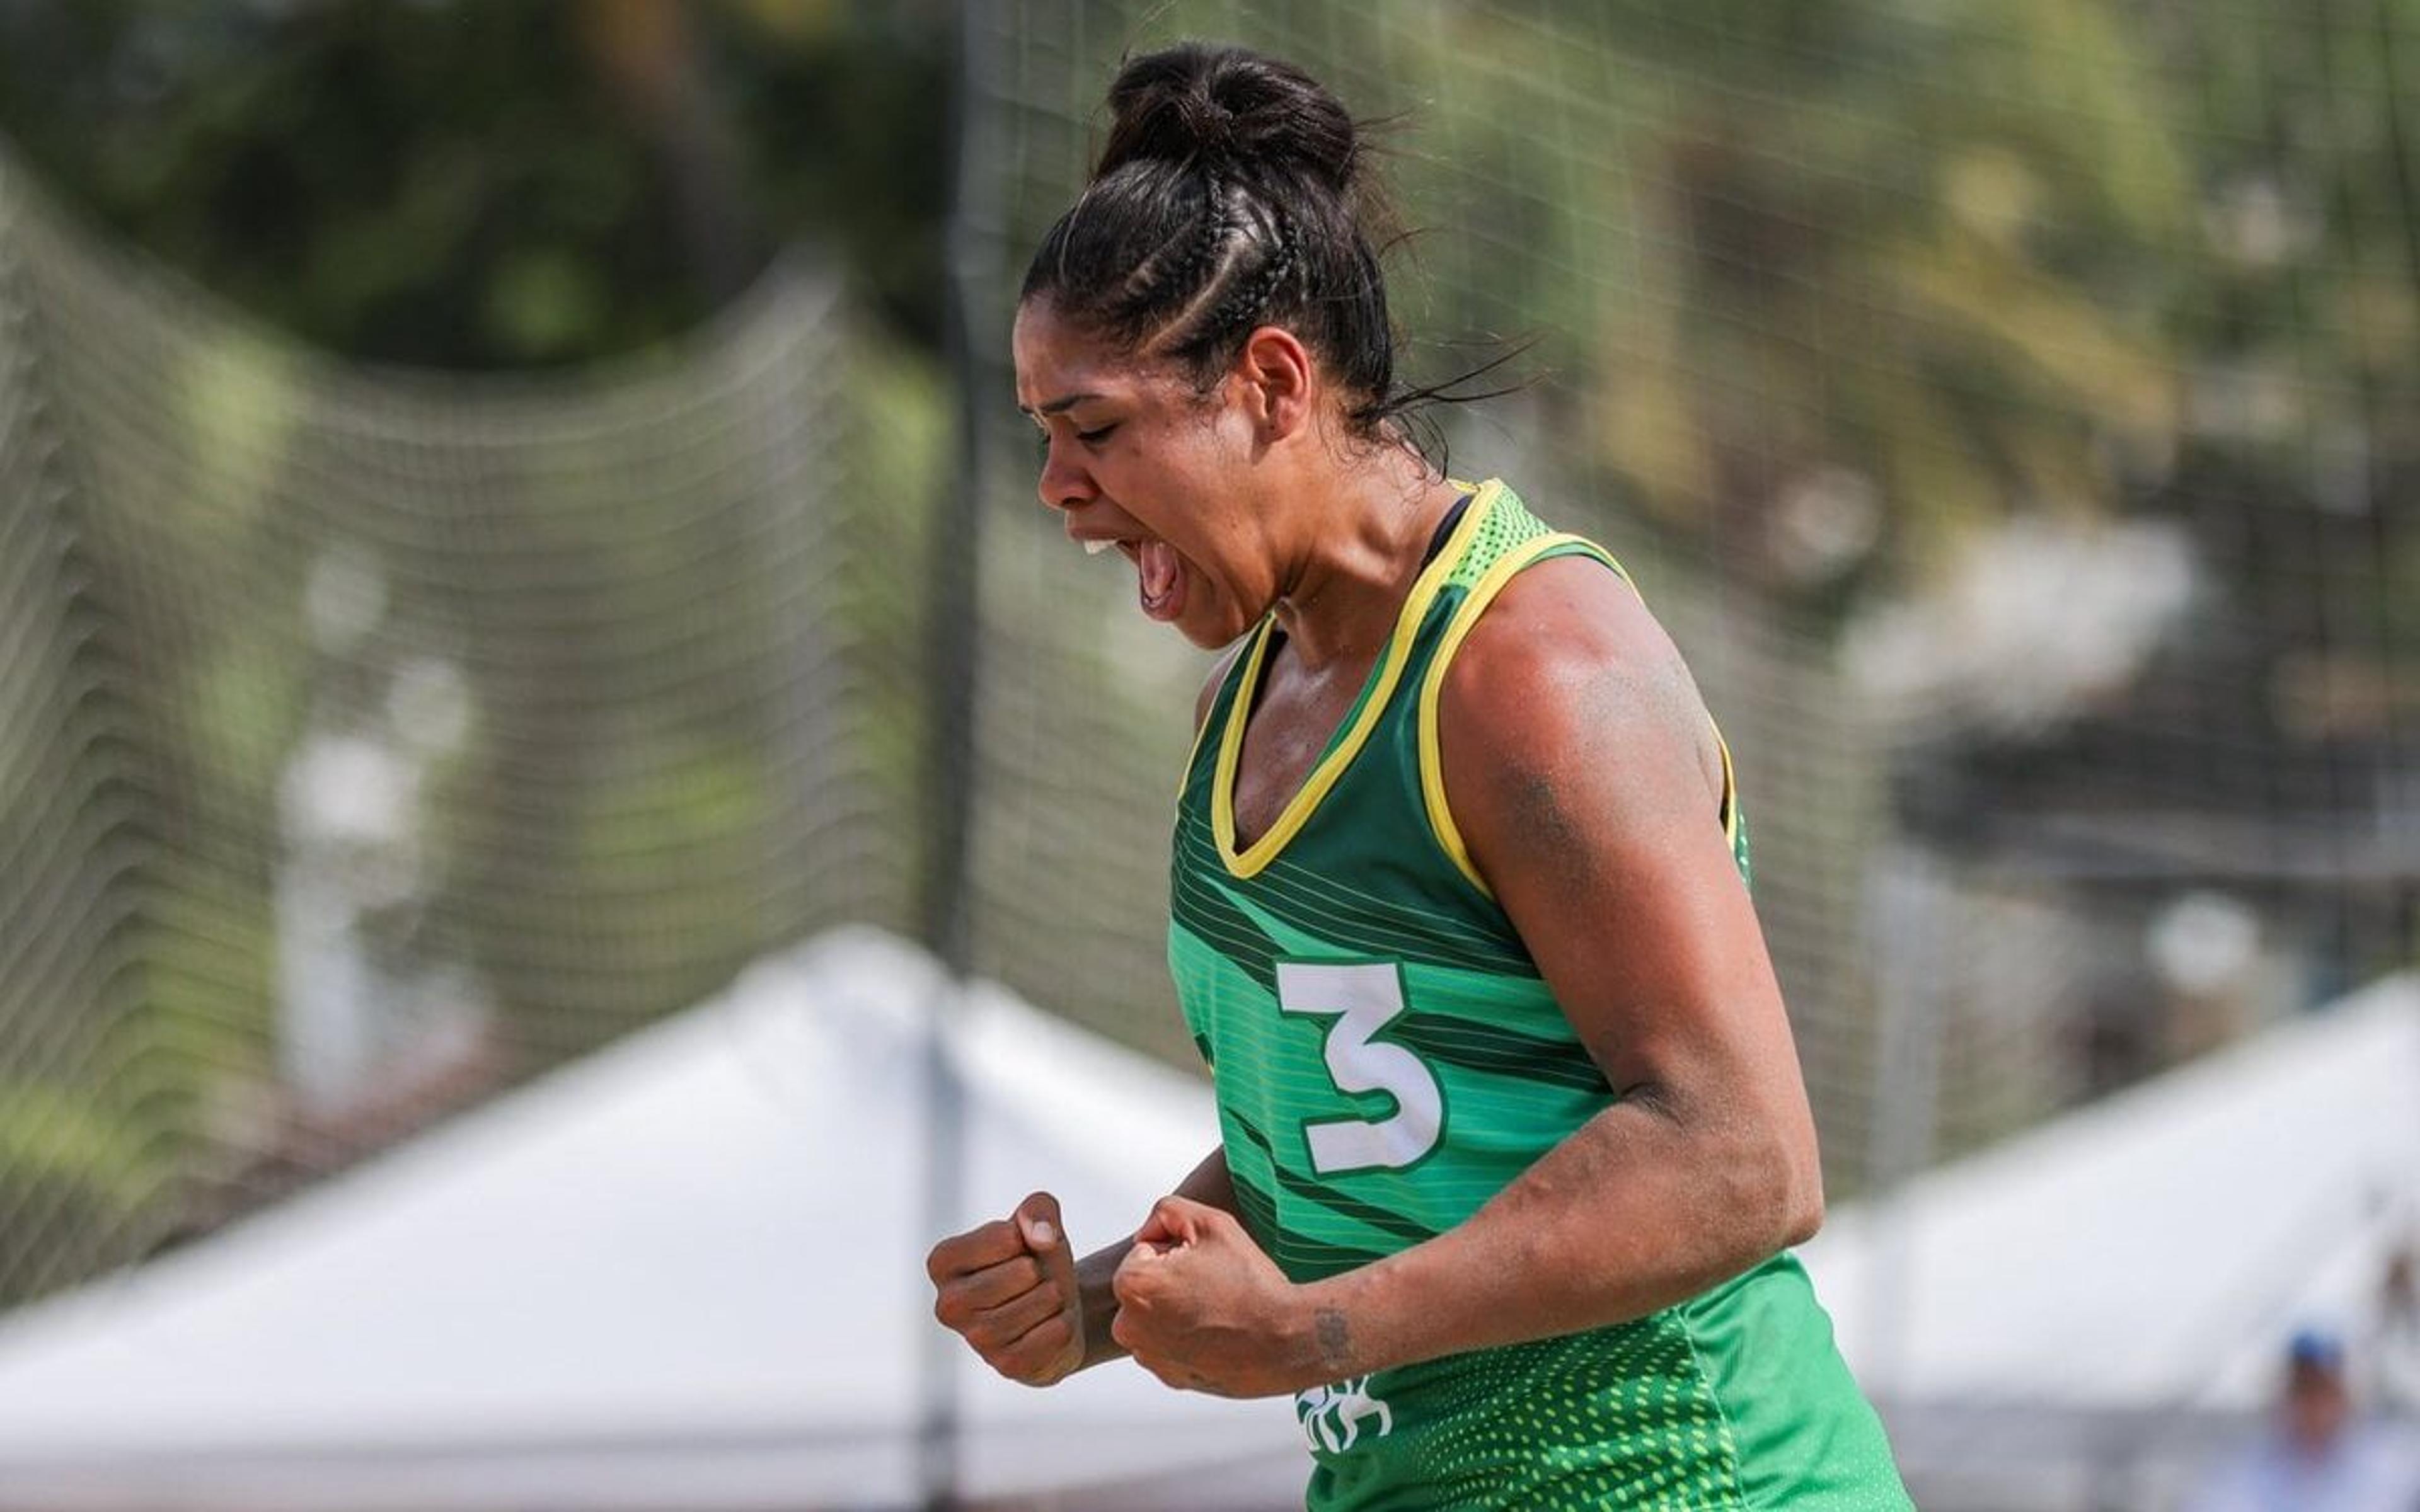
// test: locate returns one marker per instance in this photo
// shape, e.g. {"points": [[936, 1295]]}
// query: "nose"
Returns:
{"points": [[1065, 483]]}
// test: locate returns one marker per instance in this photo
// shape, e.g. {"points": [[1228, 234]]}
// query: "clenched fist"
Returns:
{"points": [[1009, 1289], [1201, 1307]]}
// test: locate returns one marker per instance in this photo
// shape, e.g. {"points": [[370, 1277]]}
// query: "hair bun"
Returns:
{"points": [[1231, 110], [1209, 122]]}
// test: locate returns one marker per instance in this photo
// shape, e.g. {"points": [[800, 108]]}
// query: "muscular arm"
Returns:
{"points": [[1580, 767]]}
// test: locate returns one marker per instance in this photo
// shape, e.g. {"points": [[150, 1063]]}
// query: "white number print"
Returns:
{"points": [[1364, 997]]}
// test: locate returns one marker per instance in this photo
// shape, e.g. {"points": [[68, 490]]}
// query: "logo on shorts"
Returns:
{"points": [[1332, 1415]]}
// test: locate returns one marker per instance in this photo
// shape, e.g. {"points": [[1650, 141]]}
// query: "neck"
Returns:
{"points": [[1370, 532]]}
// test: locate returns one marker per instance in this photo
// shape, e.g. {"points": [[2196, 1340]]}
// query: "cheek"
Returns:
{"points": [[1210, 446]]}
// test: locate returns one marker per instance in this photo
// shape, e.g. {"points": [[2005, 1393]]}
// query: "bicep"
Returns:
{"points": [[1581, 769]]}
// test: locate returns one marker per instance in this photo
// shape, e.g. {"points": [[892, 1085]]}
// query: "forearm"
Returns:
{"points": [[1209, 1183], [1635, 1211], [1098, 1304]]}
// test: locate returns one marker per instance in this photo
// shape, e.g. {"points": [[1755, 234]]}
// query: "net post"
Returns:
{"points": [[952, 650]]}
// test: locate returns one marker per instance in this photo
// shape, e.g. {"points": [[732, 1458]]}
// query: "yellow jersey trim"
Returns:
{"points": [[1226, 663], [1466, 616], [1440, 812], [1299, 810], [1731, 793]]}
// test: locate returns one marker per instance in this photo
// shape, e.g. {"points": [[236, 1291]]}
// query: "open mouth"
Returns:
{"points": [[1159, 575], [1159, 580]]}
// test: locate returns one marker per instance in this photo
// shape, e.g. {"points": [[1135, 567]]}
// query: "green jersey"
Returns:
{"points": [[1387, 1057]]}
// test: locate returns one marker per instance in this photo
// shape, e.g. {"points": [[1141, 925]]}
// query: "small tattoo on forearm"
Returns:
{"points": [[1335, 1339]]}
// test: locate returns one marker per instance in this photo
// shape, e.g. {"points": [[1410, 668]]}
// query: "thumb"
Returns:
{"points": [[1127, 1280], [1173, 1221], [1037, 1220]]}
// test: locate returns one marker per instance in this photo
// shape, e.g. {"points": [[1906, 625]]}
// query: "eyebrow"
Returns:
{"points": [[1061, 404]]}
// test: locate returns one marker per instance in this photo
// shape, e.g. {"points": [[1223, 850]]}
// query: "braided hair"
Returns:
{"points": [[1231, 194]]}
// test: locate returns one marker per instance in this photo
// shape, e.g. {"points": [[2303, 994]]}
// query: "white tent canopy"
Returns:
{"points": [[685, 1273], [2158, 1247], [2077, 1316]]}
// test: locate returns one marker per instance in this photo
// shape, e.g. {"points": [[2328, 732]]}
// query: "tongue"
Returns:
{"points": [[1163, 584]]}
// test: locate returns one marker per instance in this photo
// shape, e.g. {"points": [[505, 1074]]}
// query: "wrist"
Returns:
{"points": [[1331, 1330], [1096, 1304]]}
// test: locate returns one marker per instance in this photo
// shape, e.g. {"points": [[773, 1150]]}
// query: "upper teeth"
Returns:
{"points": [[1093, 548]]}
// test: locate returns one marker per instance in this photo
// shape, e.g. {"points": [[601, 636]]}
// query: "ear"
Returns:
{"points": [[1278, 379]]}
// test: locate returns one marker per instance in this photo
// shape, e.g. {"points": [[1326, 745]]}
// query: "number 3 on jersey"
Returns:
{"points": [[1363, 997]]}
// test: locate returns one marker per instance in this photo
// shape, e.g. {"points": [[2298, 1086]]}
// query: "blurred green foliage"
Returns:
{"points": [[72, 1170], [1987, 259], [480, 185]]}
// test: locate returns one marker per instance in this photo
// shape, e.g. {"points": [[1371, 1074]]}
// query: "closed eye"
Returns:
{"points": [[1095, 437]]}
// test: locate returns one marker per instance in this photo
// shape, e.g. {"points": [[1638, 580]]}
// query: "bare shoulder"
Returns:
{"points": [[1584, 781], [1569, 664]]}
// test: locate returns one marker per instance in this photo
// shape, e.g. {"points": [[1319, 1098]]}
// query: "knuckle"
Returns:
{"points": [[1019, 1335], [1016, 1364], [973, 1293], [1052, 1306], [1051, 1334], [1007, 1327], [1032, 1360]]}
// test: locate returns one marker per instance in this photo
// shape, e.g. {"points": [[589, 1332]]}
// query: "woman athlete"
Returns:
{"points": [[1514, 1140]]}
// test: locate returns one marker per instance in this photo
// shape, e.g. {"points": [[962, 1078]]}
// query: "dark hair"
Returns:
{"points": [[1233, 193]]}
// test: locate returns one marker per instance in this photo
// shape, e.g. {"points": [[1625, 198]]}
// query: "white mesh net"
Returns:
{"points": [[373, 737], [2013, 411]]}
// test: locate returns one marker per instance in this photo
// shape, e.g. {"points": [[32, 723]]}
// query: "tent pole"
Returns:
{"points": [[953, 619]]}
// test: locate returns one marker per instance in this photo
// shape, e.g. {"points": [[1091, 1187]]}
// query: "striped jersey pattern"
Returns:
{"points": [[1387, 1057]]}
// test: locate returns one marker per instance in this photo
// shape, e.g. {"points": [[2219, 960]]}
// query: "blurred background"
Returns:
{"points": [[514, 529]]}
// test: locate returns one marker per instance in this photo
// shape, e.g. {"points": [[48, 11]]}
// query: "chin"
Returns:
{"points": [[1216, 631]]}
